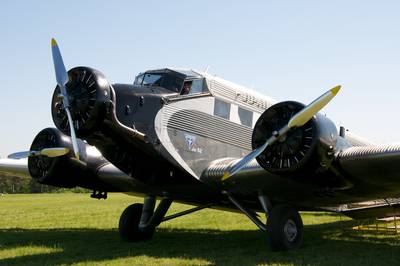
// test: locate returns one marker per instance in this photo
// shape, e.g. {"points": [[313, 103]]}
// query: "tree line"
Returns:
{"points": [[14, 185]]}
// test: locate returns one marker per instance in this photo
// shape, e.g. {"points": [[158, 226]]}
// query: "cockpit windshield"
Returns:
{"points": [[180, 81], [164, 80]]}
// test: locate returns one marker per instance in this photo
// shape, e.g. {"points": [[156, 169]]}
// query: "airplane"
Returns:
{"points": [[182, 135]]}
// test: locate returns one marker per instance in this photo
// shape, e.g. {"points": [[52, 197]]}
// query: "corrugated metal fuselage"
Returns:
{"points": [[191, 139], [184, 137]]}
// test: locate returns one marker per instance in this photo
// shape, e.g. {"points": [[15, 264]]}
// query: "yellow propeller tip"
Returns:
{"points": [[225, 176], [53, 42], [336, 90]]}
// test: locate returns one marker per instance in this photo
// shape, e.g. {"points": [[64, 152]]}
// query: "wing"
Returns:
{"points": [[252, 178], [11, 167], [370, 172], [373, 164]]}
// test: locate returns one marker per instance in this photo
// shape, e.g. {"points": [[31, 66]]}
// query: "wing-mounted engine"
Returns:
{"points": [[303, 151], [88, 93], [65, 171]]}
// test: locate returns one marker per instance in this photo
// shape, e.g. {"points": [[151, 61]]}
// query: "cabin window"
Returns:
{"points": [[245, 116], [222, 109]]}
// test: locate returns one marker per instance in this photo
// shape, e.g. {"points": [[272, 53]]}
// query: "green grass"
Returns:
{"points": [[72, 229]]}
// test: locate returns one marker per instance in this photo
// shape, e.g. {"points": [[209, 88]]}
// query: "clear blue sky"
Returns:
{"points": [[286, 49]]}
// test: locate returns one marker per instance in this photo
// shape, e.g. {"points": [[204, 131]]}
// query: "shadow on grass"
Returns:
{"points": [[324, 245]]}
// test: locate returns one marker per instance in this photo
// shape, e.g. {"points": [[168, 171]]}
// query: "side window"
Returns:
{"points": [[246, 117], [222, 109], [197, 86], [187, 88]]}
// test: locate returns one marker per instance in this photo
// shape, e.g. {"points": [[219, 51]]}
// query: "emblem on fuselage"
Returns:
{"points": [[192, 144]]}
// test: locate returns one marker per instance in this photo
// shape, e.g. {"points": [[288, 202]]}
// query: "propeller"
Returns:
{"points": [[298, 120], [62, 79], [49, 152]]}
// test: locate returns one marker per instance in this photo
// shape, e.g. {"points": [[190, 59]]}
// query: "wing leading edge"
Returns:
{"points": [[11, 167]]}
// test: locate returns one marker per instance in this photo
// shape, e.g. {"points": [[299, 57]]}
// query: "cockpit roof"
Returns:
{"points": [[183, 73], [222, 89]]}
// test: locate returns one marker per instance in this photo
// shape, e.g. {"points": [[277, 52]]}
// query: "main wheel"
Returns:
{"points": [[129, 225], [284, 228]]}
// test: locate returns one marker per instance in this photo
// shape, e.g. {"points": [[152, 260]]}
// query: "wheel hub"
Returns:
{"points": [[290, 230]]}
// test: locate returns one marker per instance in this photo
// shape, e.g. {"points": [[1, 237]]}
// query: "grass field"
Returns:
{"points": [[72, 229]]}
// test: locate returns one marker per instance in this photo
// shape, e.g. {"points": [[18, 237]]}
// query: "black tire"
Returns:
{"points": [[129, 225], [284, 228]]}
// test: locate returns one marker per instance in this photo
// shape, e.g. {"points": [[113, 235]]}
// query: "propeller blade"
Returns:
{"points": [[59, 67], [49, 152], [73, 135], [54, 152], [62, 79], [245, 160], [298, 120], [20, 155], [310, 110], [236, 167]]}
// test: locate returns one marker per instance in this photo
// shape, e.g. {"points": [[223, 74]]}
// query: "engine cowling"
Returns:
{"points": [[303, 151], [65, 171], [88, 93]]}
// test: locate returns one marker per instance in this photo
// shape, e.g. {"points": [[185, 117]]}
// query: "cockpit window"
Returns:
{"points": [[187, 87], [172, 81], [138, 79], [197, 86], [152, 79], [194, 86], [164, 80]]}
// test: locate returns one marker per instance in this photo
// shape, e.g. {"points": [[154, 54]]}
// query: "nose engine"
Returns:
{"points": [[88, 93]]}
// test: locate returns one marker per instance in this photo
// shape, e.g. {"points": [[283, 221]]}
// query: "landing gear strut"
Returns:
{"points": [[129, 225], [284, 226], [139, 221]]}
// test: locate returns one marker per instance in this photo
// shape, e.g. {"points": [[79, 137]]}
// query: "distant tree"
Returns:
{"points": [[13, 184]]}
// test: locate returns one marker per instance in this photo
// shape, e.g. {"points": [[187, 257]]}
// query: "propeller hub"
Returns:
{"points": [[282, 138], [40, 165]]}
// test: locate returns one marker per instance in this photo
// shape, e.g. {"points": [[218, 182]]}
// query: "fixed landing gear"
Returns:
{"points": [[284, 225], [284, 228], [129, 225], [139, 221]]}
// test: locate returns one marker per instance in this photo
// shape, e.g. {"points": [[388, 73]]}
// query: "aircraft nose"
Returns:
{"points": [[88, 92]]}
